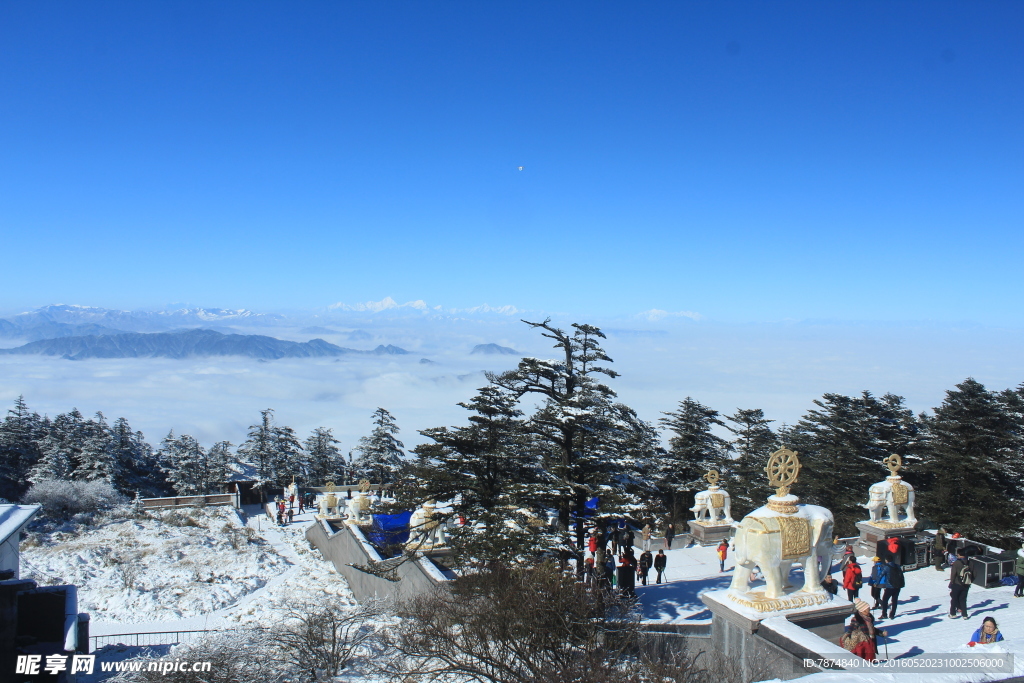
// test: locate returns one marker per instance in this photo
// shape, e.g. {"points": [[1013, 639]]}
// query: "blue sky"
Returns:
{"points": [[748, 161]]}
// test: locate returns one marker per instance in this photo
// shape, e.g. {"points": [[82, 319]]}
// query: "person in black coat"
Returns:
{"points": [[894, 583], [626, 577], [660, 560], [957, 587], [830, 584]]}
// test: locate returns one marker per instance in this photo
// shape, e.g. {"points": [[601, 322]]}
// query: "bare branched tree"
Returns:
{"points": [[321, 639], [522, 625]]}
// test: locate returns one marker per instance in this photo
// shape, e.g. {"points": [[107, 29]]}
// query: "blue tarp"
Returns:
{"points": [[593, 502], [390, 529]]}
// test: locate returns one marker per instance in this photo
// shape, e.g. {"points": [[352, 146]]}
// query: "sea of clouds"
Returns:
{"points": [[778, 367]]}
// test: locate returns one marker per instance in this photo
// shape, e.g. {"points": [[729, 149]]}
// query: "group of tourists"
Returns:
{"points": [[886, 580], [612, 562]]}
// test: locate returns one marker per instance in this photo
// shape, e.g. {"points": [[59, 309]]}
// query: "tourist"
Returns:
{"points": [[613, 536], [609, 572], [878, 575], [588, 571], [959, 583], [1018, 569], [860, 637], [852, 579], [847, 556], [280, 518], [302, 503], [723, 552], [987, 634], [628, 538], [830, 584], [626, 578], [939, 550], [892, 584], [645, 534], [592, 542], [670, 533], [643, 567], [291, 515], [659, 564]]}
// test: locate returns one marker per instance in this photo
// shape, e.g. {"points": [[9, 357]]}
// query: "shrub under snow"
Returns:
{"points": [[62, 499]]}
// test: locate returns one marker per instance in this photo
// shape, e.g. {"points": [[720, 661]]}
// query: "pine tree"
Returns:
{"points": [[259, 449], [19, 449], [138, 469], [578, 429], [325, 461], [693, 450], [752, 444], [219, 461], [974, 467], [841, 447], [289, 458], [380, 455], [96, 459], [185, 463]]}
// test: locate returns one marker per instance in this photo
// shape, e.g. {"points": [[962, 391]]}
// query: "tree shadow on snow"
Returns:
{"points": [[679, 599], [896, 629]]}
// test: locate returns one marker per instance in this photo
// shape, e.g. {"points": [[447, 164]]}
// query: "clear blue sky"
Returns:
{"points": [[749, 161]]}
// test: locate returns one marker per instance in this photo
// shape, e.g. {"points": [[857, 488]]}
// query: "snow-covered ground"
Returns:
{"points": [[206, 576], [921, 626]]}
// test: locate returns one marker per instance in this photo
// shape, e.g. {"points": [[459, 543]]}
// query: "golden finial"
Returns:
{"points": [[712, 477], [364, 485], [329, 487], [783, 469], [894, 463]]}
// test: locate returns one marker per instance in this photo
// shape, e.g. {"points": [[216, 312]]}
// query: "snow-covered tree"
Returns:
{"points": [[380, 456], [579, 431], [325, 461], [258, 449], [752, 444], [693, 450], [20, 432]]}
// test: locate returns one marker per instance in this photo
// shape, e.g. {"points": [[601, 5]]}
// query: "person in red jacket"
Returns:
{"points": [[852, 579], [723, 552], [860, 636]]}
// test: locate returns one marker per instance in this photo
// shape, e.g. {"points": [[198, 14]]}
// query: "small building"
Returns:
{"points": [[13, 519]]}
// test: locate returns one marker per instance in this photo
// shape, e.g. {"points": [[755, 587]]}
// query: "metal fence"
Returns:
{"points": [[152, 638]]}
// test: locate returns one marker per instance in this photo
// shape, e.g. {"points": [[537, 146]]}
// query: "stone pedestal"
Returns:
{"points": [[746, 636], [873, 532], [709, 533]]}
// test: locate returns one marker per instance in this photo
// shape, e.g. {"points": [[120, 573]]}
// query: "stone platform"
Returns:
{"points": [[710, 533], [873, 532]]}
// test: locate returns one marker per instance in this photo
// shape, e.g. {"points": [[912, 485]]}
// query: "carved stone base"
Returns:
{"points": [[756, 600], [873, 532], [710, 533]]}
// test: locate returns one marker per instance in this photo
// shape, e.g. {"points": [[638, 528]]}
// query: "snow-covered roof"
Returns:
{"points": [[14, 517], [241, 471]]}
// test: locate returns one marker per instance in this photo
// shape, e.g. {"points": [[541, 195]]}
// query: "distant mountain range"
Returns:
{"points": [[186, 344], [71, 320], [494, 350]]}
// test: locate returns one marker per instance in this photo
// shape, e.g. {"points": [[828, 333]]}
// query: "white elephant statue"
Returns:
{"points": [[774, 542], [424, 529], [358, 507], [714, 501], [891, 494]]}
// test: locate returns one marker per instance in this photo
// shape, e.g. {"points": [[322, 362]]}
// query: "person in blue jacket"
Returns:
{"points": [[988, 633]]}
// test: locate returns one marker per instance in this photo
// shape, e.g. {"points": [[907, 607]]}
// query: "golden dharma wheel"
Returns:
{"points": [[364, 485], [783, 469], [329, 487], [712, 476], [894, 463]]}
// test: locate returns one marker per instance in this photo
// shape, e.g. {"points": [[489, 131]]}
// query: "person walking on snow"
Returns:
{"points": [[939, 550], [723, 552], [892, 585], [852, 579], [1018, 569], [643, 567], [878, 570], [960, 577], [659, 564], [291, 515], [670, 533], [645, 534]]}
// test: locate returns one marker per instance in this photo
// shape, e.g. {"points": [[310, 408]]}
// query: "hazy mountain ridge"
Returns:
{"points": [[187, 344]]}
